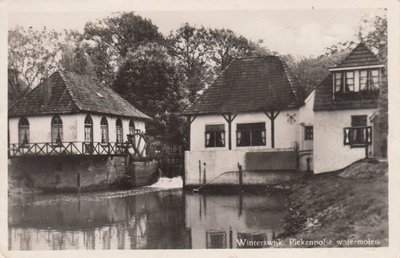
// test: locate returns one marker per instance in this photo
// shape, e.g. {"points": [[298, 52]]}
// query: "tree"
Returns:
{"points": [[33, 54], [310, 71], [74, 57], [149, 79], [226, 46], [108, 41], [190, 46]]}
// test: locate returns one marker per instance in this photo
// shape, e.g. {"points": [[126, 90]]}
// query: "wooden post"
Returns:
{"points": [[272, 130], [272, 117], [366, 142], [204, 174], [199, 172], [240, 177], [229, 118]]}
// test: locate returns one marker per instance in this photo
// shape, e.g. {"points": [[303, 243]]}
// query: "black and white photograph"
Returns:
{"points": [[197, 125]]}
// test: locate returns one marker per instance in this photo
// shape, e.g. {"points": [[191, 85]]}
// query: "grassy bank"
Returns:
{"points": [[351, 204]]}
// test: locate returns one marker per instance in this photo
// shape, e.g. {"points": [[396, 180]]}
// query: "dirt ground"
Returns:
{"points": [[347, 208]]}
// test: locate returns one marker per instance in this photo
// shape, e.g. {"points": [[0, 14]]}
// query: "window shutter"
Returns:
{"points": [[347, 136], [369, 135]]}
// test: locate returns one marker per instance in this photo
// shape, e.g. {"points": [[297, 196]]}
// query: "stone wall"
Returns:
{"points": [[74, 173]]}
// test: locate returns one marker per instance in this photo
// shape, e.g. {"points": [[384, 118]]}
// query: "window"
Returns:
{"points": [[354, 81], [216, 239], [88, 129], [359, 134], [215, 135], [369, 80], [56, 130], [104, 129], [338, 82], [374, 80], [308, 133], [23, 131], [118, 127], [349, 82], [252, 134], [363, 80]]}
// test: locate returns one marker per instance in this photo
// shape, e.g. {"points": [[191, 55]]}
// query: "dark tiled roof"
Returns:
{"points": [[249, 84], [73, 93], [361, 55], [323, 99]]}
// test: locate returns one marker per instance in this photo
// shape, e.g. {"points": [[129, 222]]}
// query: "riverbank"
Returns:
{"points": [[351, 204]]}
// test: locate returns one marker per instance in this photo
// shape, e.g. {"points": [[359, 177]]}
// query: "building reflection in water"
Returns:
{"points": [[220, 221], [158, 220]]}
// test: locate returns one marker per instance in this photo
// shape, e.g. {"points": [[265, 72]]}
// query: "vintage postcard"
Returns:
{"points": [[224, 128]]}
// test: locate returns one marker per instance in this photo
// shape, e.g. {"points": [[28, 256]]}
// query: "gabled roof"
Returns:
{"points": [[73, 93], [249, 84], [361, 55]]}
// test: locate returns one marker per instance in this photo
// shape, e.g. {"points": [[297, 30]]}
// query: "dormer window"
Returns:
{"points": [[363, 80]]}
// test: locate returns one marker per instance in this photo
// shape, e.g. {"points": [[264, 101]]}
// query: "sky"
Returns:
{"points": [[300, 32]]}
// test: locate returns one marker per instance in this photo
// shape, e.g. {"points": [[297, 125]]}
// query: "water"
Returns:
{"points": [[167, 219]]}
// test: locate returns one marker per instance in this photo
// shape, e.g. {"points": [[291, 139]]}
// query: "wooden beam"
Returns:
{"points": [[272, 116], [229, 118]]}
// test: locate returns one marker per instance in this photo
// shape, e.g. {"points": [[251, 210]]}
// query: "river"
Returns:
{"points": [[143, 219]]}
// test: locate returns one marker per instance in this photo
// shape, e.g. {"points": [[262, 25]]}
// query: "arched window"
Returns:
{"points": [[23, 131], [88, 129], [131, 127], [118, 126], [104, 129], [56, 129]]}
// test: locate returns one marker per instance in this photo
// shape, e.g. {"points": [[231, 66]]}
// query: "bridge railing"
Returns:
{"points": [[68, 149]]}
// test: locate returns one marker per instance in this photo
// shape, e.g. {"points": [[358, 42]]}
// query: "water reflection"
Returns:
{"points": [[223, 221], [157, 220]]}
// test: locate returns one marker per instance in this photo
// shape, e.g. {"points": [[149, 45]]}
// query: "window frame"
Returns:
{"points": [[356, 127], [119, 131], [372, 83], [213, 135], [104, 134], [56, 128], [251, 132], [346, 84], [308, 136], [88, 124], [26, 128]]}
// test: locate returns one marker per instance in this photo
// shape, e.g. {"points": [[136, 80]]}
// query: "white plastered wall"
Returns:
{"points": [[330, 153], [73, 128], [285, 132]]}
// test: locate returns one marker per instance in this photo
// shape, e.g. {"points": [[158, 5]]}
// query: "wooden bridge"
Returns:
{"points": [[136, 145], [137, 148]]}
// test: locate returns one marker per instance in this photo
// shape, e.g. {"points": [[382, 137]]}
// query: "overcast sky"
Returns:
{"points": [[300, 32]]}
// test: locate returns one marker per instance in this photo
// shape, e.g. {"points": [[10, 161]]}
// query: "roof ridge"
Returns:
{"points": [[290, 79], [253, 57], [73, 97]]}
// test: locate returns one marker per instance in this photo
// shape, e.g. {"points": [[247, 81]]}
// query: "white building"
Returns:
{"points": [[345, 103], [255, 115], [72, 113]]}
